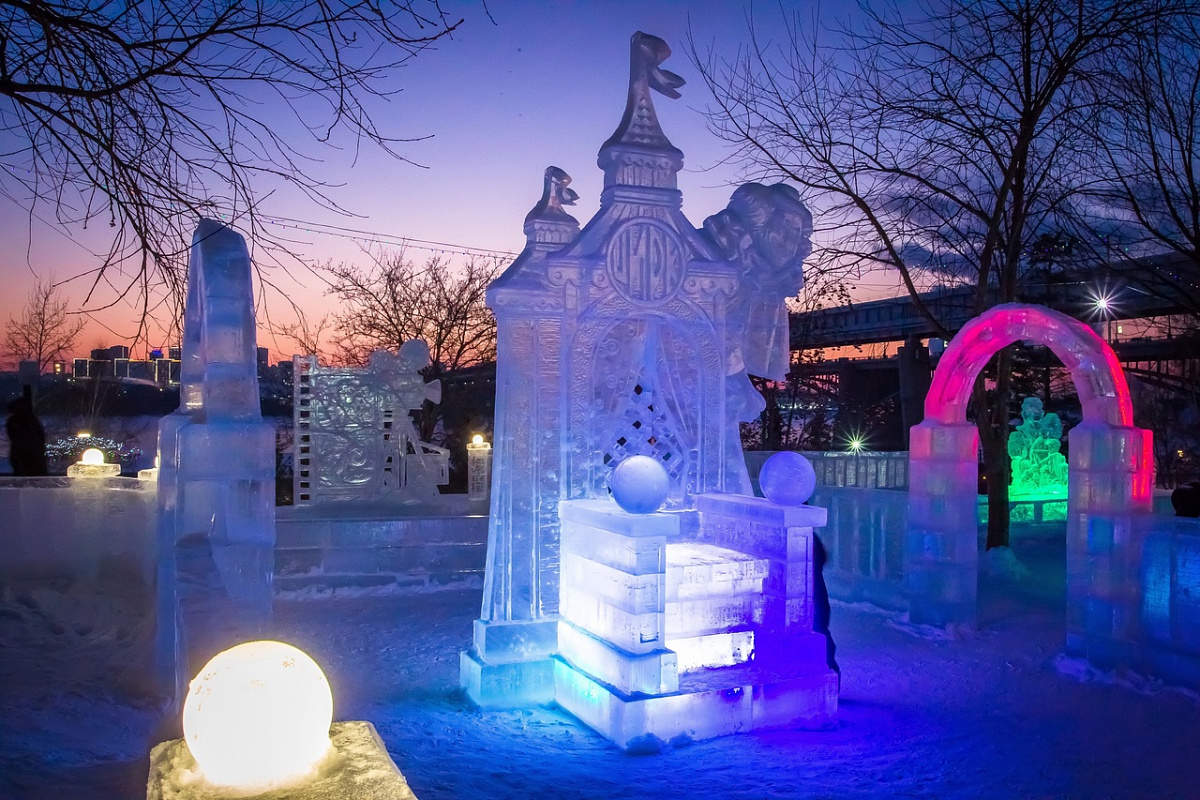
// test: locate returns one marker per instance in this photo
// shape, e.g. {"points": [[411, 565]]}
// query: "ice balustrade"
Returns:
{"points": [[355, 440], [216, 456], [1111, 477], [633, 336]]}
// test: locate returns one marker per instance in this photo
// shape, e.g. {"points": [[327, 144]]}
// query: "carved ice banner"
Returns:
{"points": [[354, 437]]}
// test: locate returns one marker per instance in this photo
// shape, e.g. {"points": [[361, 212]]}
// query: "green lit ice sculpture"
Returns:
{"points": [[1038, 468]]}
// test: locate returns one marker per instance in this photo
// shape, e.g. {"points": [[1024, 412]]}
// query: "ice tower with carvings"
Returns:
{"points": [[636, 336]]}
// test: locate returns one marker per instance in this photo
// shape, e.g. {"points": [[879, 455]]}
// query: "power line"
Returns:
{"points": [[341, 231]]}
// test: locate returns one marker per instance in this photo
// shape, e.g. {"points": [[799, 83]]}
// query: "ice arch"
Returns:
{"points": [[1099, 381], [1111, 474]]}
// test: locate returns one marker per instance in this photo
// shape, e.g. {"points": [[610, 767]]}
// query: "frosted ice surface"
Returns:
{"points": [[788, 479], [640, 485]]}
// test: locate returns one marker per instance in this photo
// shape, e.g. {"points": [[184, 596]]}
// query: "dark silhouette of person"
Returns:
{"points": [[26, 438], [821, 606]]}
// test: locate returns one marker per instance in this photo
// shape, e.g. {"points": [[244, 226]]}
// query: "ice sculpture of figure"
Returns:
{"points": [[216, 484], [632, 336], [1038, 468], [355, 440]]}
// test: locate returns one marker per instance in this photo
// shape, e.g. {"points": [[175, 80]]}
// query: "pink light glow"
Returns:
{"points": [[1098, 377]]}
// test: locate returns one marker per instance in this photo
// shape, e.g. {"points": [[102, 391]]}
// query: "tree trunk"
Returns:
{"points": [[992, 420]]}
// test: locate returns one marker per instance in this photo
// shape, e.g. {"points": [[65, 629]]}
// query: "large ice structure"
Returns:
{"points": [[354, 438], [1110, 483], [216, 483], [634, 337]]}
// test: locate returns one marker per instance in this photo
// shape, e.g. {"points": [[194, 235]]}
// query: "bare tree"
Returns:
{"points": [[147, 115], [46, 330], [932, 143], [394, 300], [309, 337], [1147, 190]]}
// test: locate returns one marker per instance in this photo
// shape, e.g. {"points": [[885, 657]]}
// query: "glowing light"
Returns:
{"points": [[92, 457], [477, 439], [83, 435], [257, 716], [856, 444]]}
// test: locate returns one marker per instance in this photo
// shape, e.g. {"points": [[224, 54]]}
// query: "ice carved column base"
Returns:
{"points": [[510, 664]]}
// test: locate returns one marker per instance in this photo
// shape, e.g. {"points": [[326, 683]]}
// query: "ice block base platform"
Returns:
{"points": [[359, 766], [709, 703]]}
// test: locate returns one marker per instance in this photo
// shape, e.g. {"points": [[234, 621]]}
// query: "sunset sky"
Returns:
{"points": [[537, 84]]}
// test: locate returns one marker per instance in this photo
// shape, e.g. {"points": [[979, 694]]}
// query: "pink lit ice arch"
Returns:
{"points": [[1097, 375]]}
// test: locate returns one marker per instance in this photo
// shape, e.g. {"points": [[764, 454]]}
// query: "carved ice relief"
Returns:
{"points": [[355, 439]]}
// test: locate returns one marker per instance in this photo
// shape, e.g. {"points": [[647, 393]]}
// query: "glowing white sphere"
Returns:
{"points": [[92, 456], [788, 479], [640, 485], [258, 715]]}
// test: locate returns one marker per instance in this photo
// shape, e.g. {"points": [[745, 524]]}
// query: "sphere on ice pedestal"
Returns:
{"points": [[640, 485], [258, 716], [787, 479]]}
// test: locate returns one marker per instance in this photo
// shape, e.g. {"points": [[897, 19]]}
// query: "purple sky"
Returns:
{"points": [[545, 84]]}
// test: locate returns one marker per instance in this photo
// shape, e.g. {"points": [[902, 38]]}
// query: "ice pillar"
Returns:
{"points": [[216, 483]]}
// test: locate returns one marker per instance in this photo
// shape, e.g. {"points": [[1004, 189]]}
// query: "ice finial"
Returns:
{"points": [[547, 224], [639, 128], [555, 194]]}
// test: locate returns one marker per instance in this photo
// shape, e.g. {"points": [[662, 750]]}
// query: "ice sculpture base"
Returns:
{"points": [[512, 685], [509, 665], [709, 703], [359, 766], [94, 471]]}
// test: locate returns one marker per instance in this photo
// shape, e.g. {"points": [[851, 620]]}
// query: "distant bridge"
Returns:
{"points": [[1148, 287]]}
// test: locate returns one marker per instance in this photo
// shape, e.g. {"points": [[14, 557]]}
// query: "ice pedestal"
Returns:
{"points": [[358, 767], [631, 594]]}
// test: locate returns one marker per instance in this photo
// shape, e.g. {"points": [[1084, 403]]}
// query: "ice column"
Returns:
{"points": [[216, 483]]}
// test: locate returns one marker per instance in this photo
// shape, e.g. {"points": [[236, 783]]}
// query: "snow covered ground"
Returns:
{"points": [[999, 714]]}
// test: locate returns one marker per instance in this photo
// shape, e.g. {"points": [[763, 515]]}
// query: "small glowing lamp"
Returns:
{"points": [[93, 457], [83, 435], [257, 716], [477, 439], [855, 444]]}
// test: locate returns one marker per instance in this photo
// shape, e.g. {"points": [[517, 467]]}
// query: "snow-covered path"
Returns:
{"points": [[921, 716]]}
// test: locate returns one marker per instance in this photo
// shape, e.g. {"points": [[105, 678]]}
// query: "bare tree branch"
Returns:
{"points": [[148, 115]]}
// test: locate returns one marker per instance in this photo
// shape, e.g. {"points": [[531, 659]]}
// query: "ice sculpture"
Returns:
{"points": [[1038, 469], [216, 485], [354, 438], [1111, 475], [631, 337]]}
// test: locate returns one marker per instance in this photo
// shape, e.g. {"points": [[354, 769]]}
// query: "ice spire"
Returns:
{"points": [[639, 153]]}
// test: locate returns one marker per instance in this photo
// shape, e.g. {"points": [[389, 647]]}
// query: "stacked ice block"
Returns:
{"points": [[663, 641]]}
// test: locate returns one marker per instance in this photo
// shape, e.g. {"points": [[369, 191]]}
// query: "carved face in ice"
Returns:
{"points": [[1031, 409], [780, 227]]}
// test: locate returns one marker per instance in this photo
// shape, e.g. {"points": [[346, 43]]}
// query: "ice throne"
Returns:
{"points": [[636, 336]]}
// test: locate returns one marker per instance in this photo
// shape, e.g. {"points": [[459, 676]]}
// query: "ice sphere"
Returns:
{"points": [[640, 485], [788, 479], [257, 716]]}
